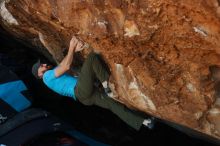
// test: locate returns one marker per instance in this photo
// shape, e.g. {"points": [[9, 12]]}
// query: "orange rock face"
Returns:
{"points": [[159, 51]]}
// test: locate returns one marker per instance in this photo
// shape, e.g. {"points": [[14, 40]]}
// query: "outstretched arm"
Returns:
{"points": [[65, 64]]}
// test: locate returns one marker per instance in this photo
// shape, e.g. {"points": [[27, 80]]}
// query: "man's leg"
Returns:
{"points": [[91, 69], [130, 117], [87, 95]]}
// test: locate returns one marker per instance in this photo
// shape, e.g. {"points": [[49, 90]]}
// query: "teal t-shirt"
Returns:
{"points": [[63, 85]]}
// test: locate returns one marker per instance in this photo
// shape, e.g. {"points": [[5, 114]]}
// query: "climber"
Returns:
{"points": [[82, 88]]}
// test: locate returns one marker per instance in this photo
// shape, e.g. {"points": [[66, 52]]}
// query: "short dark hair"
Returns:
{"points": [[35, 69]]}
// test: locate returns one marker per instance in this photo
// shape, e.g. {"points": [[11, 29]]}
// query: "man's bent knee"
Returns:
{"points": [[83, 98]]}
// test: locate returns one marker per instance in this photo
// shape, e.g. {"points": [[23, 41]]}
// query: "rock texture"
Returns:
{"points": [[159, 51]]}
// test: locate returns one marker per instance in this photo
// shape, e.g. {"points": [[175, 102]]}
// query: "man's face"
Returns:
{"points": [[42, 69]]}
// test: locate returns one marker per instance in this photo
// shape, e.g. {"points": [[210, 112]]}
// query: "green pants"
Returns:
{"points": [[87, 94]]}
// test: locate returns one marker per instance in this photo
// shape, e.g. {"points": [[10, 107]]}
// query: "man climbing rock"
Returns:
{"points": [[82, 88]]}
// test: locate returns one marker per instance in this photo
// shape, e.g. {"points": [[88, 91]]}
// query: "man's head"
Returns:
{"points": [[39, 69]]}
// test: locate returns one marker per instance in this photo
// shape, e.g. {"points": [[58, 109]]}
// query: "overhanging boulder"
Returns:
{"points": [[159, 51]]}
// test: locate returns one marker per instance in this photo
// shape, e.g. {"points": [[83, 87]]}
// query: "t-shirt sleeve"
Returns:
{"points": [[49, 75]]}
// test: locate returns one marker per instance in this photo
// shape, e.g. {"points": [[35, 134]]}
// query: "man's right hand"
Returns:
{"points": [[76, 44], [73, 43], [79, 46]]}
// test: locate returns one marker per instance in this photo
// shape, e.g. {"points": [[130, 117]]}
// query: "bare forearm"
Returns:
{"points": [[67, 61]]}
